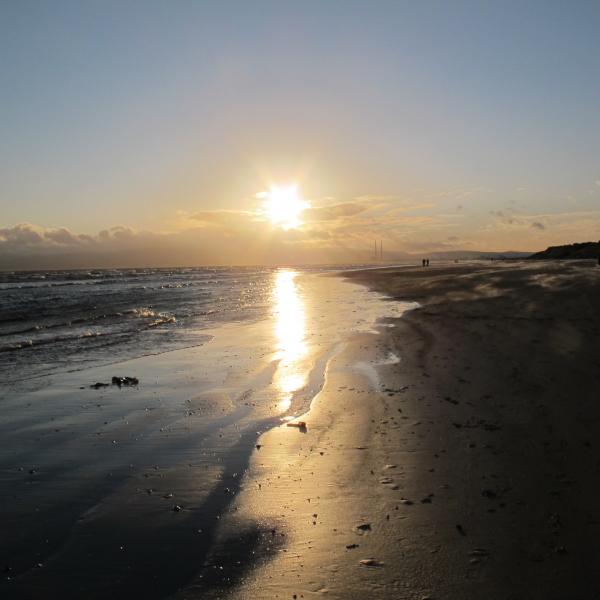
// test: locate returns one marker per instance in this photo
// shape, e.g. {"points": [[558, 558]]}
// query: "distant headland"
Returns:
{"points": [[569, 251]]}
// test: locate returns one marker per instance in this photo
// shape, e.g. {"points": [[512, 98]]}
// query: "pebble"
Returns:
{"points": [[371, 562]]}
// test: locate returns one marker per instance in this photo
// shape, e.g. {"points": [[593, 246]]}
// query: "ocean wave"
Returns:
{"points": [[49, 320], [149, 313], [80, 337], [141, 313]]}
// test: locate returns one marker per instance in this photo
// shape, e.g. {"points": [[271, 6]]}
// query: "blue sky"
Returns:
{"points": [[141, 114]]}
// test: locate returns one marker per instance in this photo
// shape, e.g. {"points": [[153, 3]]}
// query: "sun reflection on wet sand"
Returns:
{"points": [[290, 333]]}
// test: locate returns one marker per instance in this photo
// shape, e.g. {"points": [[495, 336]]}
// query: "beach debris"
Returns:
{"points": [[386, 480], [125, 381], [300, 425], [406, 502], [118, 381], [390, 466], [258, 446], [370, 562], [363, 527], [176, 508], [351, 546]]}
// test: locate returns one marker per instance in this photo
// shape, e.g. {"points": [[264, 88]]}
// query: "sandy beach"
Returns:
{"points": [[450, 452]]}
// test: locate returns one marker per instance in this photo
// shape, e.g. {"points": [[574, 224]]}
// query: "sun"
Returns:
{"points": [[283, 206]]}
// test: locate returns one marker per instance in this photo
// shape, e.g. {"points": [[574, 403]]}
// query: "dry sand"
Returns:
{"points": [[467, 470]]}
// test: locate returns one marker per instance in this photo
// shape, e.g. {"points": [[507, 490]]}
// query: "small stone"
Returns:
{"points": [[371, 562]]}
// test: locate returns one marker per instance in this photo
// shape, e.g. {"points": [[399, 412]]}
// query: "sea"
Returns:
{"points": [[65, 320]]}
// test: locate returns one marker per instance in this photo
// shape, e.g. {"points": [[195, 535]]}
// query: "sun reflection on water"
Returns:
{"points": [[290, 333]]}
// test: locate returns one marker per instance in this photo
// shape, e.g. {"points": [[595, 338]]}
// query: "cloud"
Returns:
{"points": [[333, 212], [335, 232], [62, 236], [23, 234], [507, 216], [218, 217], [377, 198], [460, 193], [249, 242]]}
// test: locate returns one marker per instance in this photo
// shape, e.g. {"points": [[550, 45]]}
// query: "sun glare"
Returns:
{"points": [[283, 206], [290, 332]]}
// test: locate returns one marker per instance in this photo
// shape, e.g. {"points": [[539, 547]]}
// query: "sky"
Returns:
{"points": [[145, 132]]}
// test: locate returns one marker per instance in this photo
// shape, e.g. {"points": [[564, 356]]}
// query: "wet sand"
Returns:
{"points": [[469, 469], [453, 450]]}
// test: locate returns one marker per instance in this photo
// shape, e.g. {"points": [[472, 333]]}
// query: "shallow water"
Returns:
{"points": [[59, 321], [64, 320]]}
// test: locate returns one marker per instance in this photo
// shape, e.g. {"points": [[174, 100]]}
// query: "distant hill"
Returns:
{"points": [[474, 255], [569, 251]]}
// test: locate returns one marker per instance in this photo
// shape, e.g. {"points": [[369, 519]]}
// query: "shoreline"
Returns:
{"points": [[101, 476], [441, 448]]}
